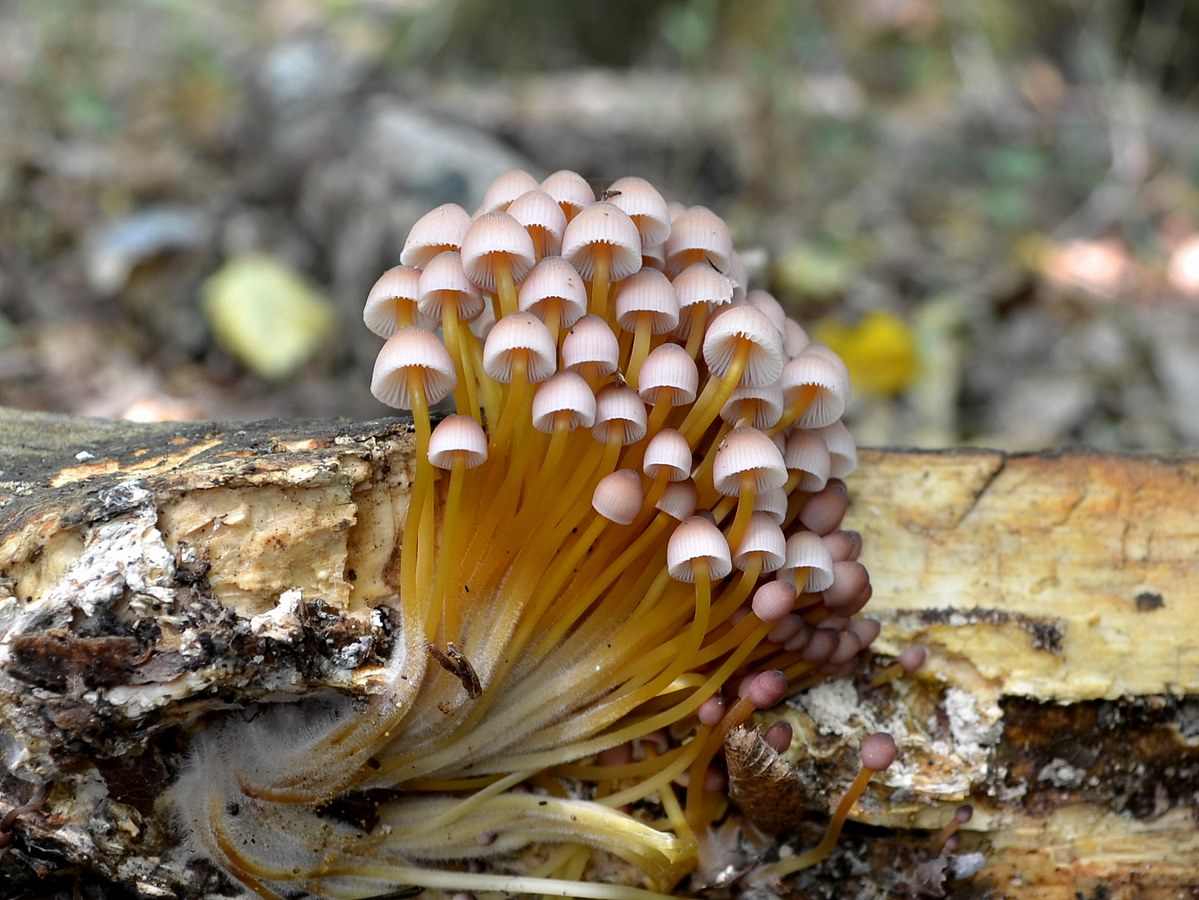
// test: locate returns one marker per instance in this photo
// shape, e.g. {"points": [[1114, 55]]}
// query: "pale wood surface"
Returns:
{"points": [[1067, 580]]}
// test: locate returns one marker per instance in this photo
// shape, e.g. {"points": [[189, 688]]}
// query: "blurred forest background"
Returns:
{"points": [[991, 209]]}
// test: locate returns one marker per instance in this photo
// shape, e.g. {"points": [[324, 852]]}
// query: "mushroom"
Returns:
{"points": [[623, 543]]}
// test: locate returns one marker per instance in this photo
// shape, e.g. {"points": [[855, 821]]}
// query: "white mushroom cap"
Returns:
{"points": [[416, 351], [563, 393], [817, 367], [490, 235], [766, 302], [520, 333], [554, 279], [842, 451], [678, 500], [668, 366], [794, 338], [773, 503], [669, 452], [457, 437], [540, 214], [439, 229], [570, 190], [591, 341], [507, 188], [697, 540], [444, 281], [737, 323], [618, 496], [700, 283], [806, 551], [773, 601], [602, 223], [805, 452], [765, 537], [647, 291], [699, 230], [653, 255], [747, 451], [619, 407], [645, 206], [764, 403], [399, 284]]}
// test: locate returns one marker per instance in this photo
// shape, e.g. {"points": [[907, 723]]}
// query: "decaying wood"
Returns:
{"points": [[150, 575]]}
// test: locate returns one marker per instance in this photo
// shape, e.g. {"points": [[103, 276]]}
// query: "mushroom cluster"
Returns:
{"points": [[623, 541]]}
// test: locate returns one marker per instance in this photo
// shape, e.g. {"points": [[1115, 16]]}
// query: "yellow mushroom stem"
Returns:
{"points": [[571, 607], [466, 392], [662, 408], [623, 702], [704, 485], [601, 265], [411, 598], [453, 525], [745, 508], [699, 324], [797, 407], [713, 741], [516, 402], [405, 313], [505, 286], [716, 394], [731, 598], [829, 841], [553, 319], [642, 332]]}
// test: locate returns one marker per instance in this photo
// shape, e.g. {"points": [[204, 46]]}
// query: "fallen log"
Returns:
{"points": [[153, 575]]}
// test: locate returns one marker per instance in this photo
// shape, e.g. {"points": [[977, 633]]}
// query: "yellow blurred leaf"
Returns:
{"points": [[880, 351], [266, 315]]}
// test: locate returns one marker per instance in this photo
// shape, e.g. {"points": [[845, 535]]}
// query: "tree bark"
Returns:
{"points": [[152, 574]]}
